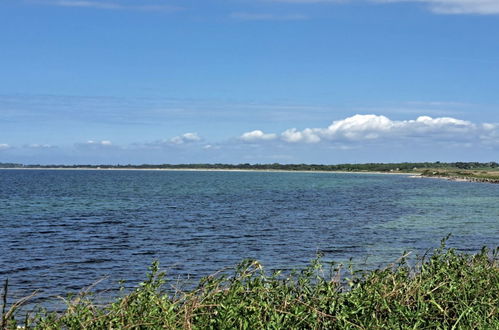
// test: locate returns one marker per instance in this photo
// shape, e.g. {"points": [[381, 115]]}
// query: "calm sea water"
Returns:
{"points": [[61, 231]]}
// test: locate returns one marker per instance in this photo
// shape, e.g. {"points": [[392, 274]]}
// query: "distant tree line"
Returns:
{"points": [[377, 167], [11, 165]]}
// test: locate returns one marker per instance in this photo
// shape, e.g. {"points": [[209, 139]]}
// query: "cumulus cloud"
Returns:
{"points": [[4, 146], [488, 126], [307, 135], [369, 127], [257, 135], [185, 138], [102, 143], [94, 144]]}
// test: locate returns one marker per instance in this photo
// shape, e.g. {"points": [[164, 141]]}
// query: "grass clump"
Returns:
{"points": [[447, 290]]}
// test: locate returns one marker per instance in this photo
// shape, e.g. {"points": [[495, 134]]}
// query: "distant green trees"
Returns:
{"points": [[375, 167], [10, 165]]}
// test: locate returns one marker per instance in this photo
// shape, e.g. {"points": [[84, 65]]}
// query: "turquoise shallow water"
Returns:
{"points": [[62, 230]]}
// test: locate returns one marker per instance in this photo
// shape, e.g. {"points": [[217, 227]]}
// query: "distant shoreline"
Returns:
{"points": [[187, 169], [457, 171], [206, 170]]}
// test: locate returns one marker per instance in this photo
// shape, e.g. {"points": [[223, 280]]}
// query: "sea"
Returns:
{"points": [[62, 231]]}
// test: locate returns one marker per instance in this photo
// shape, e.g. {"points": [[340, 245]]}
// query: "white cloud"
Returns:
{"points": [[484, 7], [488, 127], [307, 135], [359, 128], [108, 5], [243, 16], [257, 135], [104, 143], [185, 138], [4, 146], [369, 127]]}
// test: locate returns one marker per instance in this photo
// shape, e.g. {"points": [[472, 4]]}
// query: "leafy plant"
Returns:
{"points": [[443, 289]]}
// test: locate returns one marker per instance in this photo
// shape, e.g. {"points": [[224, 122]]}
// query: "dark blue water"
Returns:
{"points": [[63, 230]]}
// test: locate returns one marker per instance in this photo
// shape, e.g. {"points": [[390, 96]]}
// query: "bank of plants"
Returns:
{"points": [[444, 290], [473, 176]]}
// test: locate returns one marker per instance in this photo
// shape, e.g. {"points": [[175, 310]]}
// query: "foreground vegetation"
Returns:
{"points": [[446, 290]]}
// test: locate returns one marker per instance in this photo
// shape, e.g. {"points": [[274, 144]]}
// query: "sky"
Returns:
{"points": [[248, 81]]}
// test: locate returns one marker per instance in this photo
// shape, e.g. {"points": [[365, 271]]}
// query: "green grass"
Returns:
{"points": [[444, 290]]}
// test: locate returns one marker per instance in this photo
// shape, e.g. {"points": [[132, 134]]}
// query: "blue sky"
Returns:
{"points": [[260, 81]]}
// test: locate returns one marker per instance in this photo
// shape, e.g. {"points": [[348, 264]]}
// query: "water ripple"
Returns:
{"points": [[61, 231]]}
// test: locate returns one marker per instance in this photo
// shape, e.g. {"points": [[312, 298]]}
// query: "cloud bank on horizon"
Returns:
{"points": [[360, 128], [355, 131]]}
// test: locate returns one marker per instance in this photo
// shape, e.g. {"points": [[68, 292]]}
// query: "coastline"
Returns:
{"points": [[186, 169], [462, 179], [442, 175]]}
